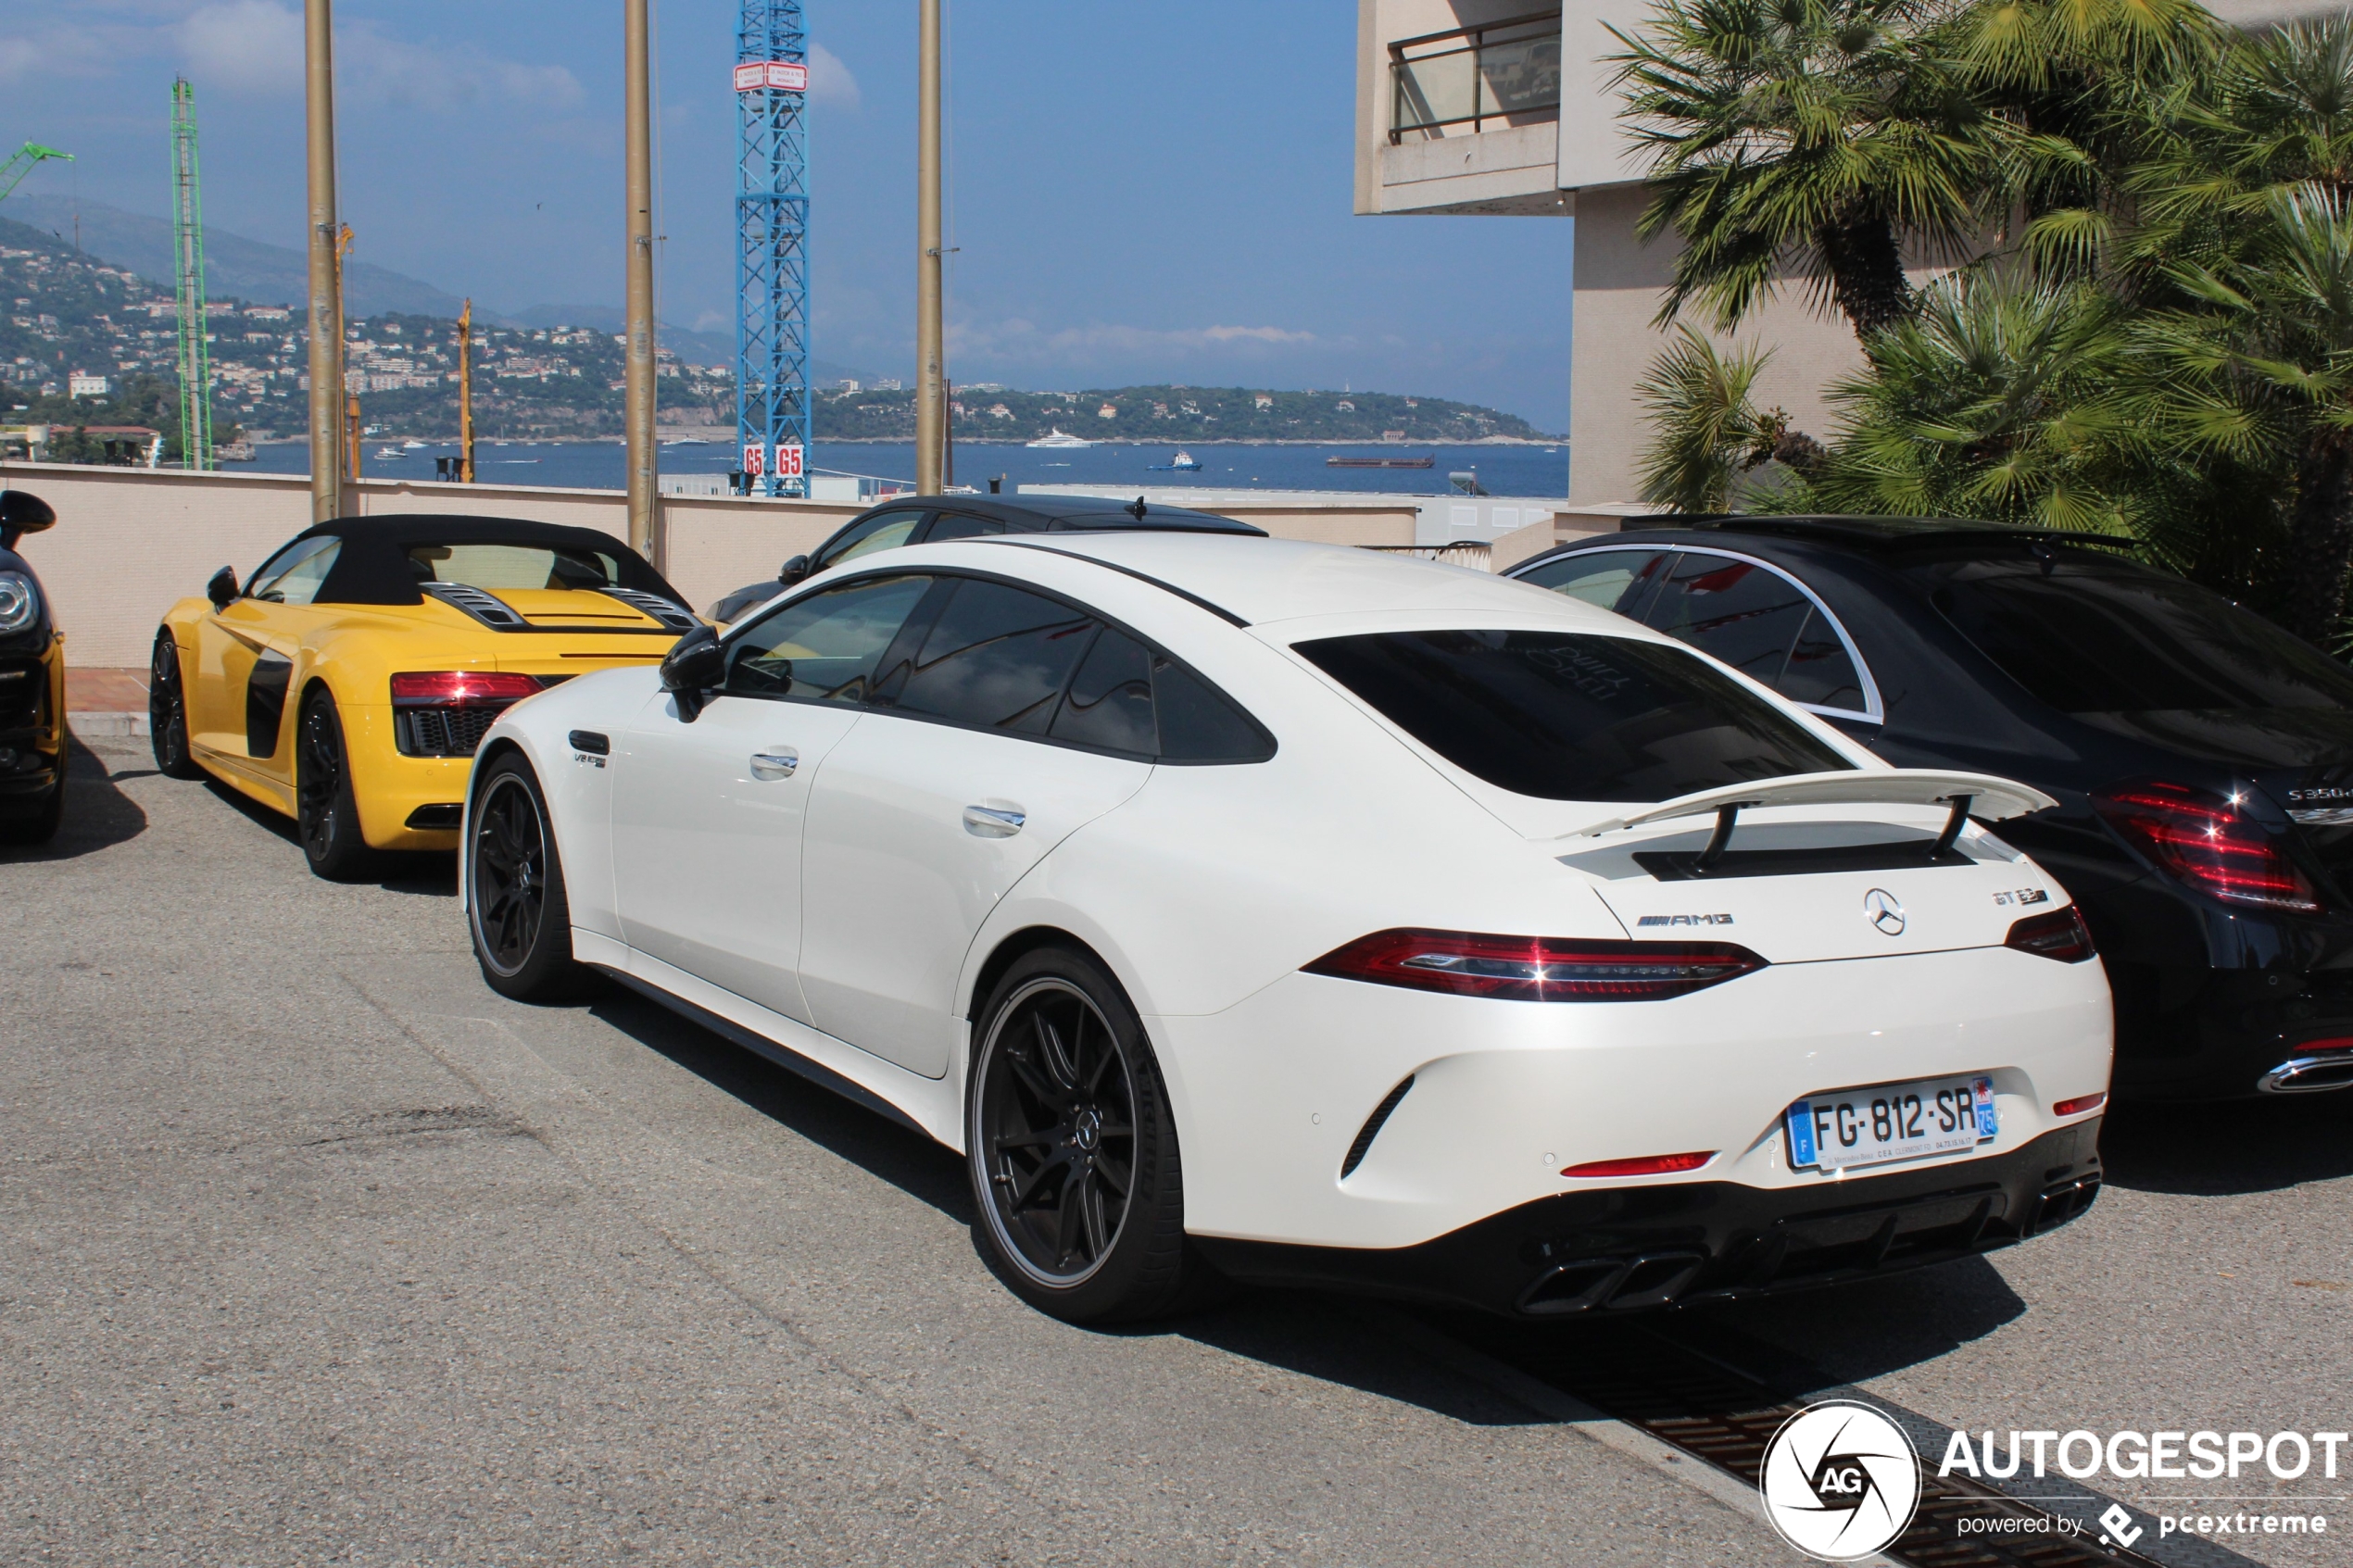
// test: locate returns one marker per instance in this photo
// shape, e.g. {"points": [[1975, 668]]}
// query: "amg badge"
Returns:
{"points": [[1685, 919]]}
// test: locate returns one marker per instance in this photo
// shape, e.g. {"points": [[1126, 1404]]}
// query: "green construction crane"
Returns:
{"points": [[21, 163]]}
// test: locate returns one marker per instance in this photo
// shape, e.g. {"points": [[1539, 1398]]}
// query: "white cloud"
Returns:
{"points": [[256, 46], [60, 50], [1015, 339], [244, 46], [829, 80]]}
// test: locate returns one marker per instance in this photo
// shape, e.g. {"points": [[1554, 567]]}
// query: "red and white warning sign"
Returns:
{"points": [[755, 458], [789, 462], [790, 75]]}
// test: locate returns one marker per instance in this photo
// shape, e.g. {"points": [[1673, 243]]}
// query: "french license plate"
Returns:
{"points": [[1889, 1121]]}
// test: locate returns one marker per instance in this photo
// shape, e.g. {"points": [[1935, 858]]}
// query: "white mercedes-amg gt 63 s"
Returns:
{"points": [[1308, 915]]}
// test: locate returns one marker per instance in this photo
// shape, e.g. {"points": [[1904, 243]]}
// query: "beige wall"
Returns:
{"points": [[1619, 284], [130, 543]]}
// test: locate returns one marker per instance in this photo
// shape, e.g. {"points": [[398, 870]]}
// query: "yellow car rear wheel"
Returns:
{"points": [[326, 813]]}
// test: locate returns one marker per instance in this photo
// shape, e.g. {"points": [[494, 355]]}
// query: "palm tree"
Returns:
{"points": [[2257, 367], [1824, 137], [1708, 430], [2275, 110], [1998, 398]]}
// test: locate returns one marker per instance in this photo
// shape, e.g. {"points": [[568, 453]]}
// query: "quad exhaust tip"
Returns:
{"points": [[2308, 1075]]}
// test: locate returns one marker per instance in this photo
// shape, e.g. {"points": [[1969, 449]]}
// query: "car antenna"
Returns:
{"points": [[1136, 511]]}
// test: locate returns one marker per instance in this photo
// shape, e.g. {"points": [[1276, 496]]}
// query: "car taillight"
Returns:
{"points": [[2202, 840], [2079, 1104], [1649, 1165], [460, 689], [2060, 935], [1536, 969]]}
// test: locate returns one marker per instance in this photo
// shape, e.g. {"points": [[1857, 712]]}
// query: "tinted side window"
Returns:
{"points": [[2112, 638], [825, 647], [996, 658], [1110, 701], [956, 525], [1565, 716], [1618, 580], [1819, 671], [884, 531], [1198, 724], [1742, 614]]}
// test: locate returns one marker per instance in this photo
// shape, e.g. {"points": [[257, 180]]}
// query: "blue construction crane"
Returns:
{"points": [[772, 247]]}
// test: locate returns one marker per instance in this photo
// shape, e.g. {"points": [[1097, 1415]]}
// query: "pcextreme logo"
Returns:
{"points": [[1841, 1481]]}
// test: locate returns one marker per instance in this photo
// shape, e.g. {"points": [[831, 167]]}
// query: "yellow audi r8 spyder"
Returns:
{"points": [[348, 681]]}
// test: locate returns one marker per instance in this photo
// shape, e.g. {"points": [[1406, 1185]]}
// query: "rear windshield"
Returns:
{"points": [[1566, 716], [514, 566], [2093, 638]]}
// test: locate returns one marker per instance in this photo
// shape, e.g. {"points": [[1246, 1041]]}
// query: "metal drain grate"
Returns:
{"points": [[1715, 1414]]}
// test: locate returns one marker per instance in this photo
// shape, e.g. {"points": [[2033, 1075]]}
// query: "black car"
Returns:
{"points": [[927, 520], [33, 684], [2202, 757]]}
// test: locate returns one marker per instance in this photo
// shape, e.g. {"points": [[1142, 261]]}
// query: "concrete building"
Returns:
{"points": [[1503, 107]]}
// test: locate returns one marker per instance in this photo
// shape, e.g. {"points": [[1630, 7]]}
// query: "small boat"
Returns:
{"points": [[235, 452], [1379, 462], [1057, 440], [686, 441], [412, 444], [1183, 462], [388, 454]]}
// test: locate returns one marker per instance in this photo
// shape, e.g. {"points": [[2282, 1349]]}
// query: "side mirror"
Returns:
{"points": [[696, 663], [23, 512], [222, 589], [793, 571]]}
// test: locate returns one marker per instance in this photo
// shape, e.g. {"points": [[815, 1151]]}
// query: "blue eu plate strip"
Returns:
{"points": [[1801, 1133]]}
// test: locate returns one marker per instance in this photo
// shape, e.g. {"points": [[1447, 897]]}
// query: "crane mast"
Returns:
{"points": [[187, 260], [772, 247]]}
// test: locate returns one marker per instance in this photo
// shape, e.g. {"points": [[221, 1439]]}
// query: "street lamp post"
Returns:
{"points": [[931, 393], [326, 307], [638, 416]]}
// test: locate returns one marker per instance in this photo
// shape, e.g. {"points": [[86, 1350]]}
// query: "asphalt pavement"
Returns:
{"points": [[316, 1250]]}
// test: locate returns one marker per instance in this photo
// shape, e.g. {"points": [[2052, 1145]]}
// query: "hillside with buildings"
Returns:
{"points": [[984, 411], [93, 347]]}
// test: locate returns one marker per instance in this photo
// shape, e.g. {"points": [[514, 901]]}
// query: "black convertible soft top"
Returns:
{"points": [[373, 568]]}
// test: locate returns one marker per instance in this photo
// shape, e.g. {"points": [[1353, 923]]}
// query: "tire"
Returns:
{"points": [[516, 911], [43, 824], [168, 711], [326, 814], [1065, 1104]]}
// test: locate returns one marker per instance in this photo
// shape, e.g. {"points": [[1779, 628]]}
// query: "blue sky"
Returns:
{"points": [[1139, 191]]}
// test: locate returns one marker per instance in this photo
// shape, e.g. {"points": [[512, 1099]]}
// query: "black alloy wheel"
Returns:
{"points": [[1072, 1149], [168, 712], [40, 825], [326, 814], [516, 909]]}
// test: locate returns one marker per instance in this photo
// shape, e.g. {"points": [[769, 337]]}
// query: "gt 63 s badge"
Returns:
{"points": [[1841, 1481]]}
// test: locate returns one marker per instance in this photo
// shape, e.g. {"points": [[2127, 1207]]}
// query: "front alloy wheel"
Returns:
{"points": [[168, 711], [521, 920]]}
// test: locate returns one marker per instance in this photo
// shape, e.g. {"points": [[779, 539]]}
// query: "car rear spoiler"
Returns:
{"points": [[1966, 794]]}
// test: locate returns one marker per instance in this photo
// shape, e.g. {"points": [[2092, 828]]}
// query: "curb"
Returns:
{"points": [[108, 726]]}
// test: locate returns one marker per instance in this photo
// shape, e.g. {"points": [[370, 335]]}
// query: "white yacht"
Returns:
{"points": [[1058, 441]]}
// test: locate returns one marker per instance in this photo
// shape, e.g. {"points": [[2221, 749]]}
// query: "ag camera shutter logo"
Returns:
{"points": [[1841, 1481]]}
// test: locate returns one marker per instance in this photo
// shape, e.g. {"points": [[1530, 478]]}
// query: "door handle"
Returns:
{"points": [[994, 822], [777, 763]]}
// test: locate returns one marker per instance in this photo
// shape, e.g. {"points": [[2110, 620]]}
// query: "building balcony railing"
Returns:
{"points": [[1498, 73]]}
